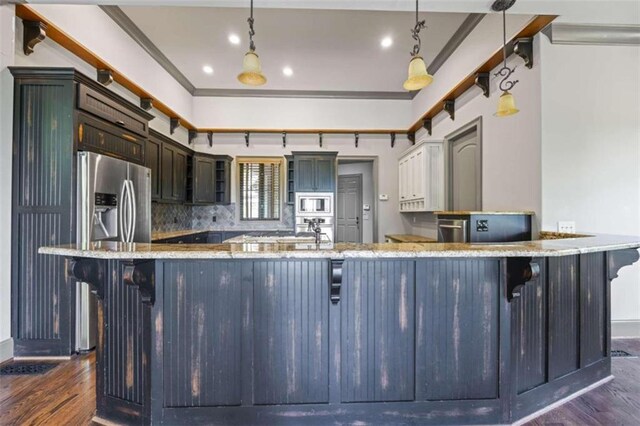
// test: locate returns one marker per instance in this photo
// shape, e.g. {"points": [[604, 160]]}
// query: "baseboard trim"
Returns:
{"points": [[629, 329], [562, 401], [6, 349], [42, 358]]}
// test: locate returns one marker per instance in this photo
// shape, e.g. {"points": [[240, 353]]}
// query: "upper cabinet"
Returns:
{"points": [[421, 178], [291, 186], [208, 179], [314, 171]]}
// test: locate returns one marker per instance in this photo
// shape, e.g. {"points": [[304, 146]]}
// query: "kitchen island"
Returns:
{"points": [[348, 333]]}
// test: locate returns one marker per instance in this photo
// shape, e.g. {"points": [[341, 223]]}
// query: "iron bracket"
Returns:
{"points": [[427, 124], [192, 135], [320, 139], [483, 81], [393, 139], [523, 47], [246, 138], [174, 123], [210, 138], [357, 137], [450, 107], [33, 33], [284, 139], [104, 76], [412, 138], [146, 103]]}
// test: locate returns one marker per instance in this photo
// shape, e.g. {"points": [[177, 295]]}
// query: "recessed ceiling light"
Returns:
{"points": [[287, 71], [234, 39], [386, 42], [207, 69]]}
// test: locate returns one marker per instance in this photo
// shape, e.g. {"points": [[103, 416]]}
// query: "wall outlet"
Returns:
{"points": [[567, 227], [214, 218], [384, 197]]}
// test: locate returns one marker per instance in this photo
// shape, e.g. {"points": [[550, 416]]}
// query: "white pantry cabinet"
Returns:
{"points": [[421, 176]]}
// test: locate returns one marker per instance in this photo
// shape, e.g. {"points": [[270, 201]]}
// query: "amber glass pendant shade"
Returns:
{"points": [[506, 105], [418, 77], [251, 74]]}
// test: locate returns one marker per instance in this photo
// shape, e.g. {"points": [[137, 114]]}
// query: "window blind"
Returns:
{"points": [[259, 190]]}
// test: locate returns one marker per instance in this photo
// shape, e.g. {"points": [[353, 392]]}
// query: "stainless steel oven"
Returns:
{"points": [[314, 203]]}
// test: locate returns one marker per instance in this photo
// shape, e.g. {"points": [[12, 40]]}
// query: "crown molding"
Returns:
{"points": [[593, 34]]}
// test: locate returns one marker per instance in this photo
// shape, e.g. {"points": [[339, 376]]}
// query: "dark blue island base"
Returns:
{"points": [[468, 340]]}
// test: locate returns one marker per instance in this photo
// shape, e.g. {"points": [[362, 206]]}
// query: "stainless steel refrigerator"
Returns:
{"points": [[114, 204]]}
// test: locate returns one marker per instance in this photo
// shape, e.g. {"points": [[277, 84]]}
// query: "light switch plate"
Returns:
{"points": [[567, 227], [384, 197]]}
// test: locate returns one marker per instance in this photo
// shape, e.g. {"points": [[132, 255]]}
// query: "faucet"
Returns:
{"points": [[314, 226]]}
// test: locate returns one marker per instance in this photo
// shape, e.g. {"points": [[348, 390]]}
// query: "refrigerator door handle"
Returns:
{"points": [[121, 218], [134, 213]]}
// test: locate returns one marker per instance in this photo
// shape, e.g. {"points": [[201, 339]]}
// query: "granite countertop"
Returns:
{"points": [[469, 212], [407, 238], [542, 248], [161, 235]]}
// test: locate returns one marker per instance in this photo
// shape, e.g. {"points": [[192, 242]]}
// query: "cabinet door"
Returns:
{"points": [[325, 174], [153, 160], [418, 177], [168, 171], [305, 174], [180, 176], [435, 177], [204, 175], [214, 237], [402, 173], [97, 136]]}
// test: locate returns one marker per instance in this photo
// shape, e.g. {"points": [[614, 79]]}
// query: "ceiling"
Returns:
{"points": [[328, 50]]}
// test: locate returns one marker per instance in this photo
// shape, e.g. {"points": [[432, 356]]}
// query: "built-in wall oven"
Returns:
{"points": [[316, 206]]}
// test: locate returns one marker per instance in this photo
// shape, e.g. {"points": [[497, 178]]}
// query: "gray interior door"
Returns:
{"points": [[349, 208], [465, 173]]}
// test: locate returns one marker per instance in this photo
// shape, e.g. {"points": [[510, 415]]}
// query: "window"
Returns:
{"points": [[259, 189]]}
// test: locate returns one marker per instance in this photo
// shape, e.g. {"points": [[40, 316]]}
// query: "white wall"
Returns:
{"points": [[511, 163], [369, 146], [591, 152], [368, 195], [6, 126]]}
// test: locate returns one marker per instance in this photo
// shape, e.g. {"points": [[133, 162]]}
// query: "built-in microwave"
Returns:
{"points": [[314, 203]]}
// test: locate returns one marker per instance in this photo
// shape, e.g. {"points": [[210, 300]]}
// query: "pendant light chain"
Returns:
{"points": [[415, 33], [252, 45]]}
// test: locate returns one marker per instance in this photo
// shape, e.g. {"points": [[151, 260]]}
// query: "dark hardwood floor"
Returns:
{"points": [[65, 396]]}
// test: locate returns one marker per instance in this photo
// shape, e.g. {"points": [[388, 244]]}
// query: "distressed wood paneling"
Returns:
{"points": [[291, 335], [203, 333], [457, 336], [378, 330], [593, 296], [529, 330], [42, 215], [126, 317], [564, 316]]}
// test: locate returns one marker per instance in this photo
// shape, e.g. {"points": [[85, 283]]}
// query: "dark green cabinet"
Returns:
{"points": [[314, 172], [291, 178], [223, 179], [97, 136]]}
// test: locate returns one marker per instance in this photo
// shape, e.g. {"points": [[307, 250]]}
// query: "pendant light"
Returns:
{"points": [[251, 74], [506, 103], [418, 77]]}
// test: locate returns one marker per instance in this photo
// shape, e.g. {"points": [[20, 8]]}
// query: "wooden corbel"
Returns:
{"points": [[523, 47], [336, 280], [104, 76], [90, 271], [141, 275], [483, 81], [618, 259], [174, 123], [33, 33], [520, 270]]}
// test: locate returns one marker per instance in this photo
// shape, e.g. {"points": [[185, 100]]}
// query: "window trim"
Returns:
{"points": [[260, 159]]}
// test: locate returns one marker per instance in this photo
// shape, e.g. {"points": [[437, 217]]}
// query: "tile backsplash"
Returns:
{"points": [[174, 217]]}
